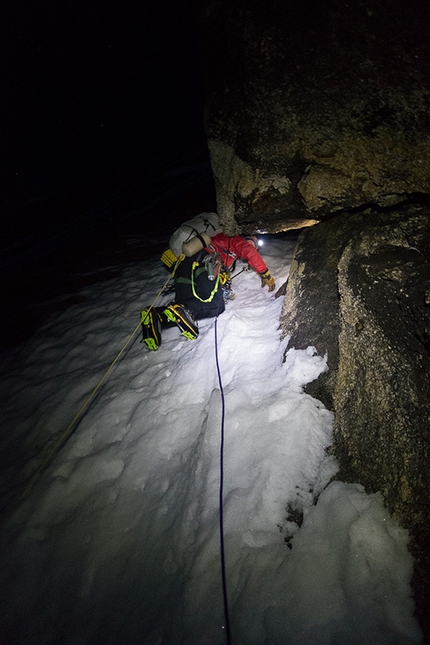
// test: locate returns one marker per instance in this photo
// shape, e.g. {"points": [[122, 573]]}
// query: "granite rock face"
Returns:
{"points": [[313, 108], [318, 118], [359, 289]]}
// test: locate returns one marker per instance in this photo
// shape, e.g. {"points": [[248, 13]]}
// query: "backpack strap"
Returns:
{"points": [[202, 240], [227, 252], [197, 266]]}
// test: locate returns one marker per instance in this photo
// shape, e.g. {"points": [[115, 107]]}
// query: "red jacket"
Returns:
{"points": [[231, 248]]}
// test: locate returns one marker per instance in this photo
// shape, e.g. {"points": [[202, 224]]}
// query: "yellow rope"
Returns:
{"points": [[178, 262], [68, 431]]}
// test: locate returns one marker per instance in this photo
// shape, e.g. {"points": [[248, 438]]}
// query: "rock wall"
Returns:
{"points": [[318, 117], [314, 107], [359, 289]]}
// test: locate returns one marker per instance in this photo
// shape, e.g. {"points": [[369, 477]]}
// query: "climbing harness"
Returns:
{"points": [[196, 269]]}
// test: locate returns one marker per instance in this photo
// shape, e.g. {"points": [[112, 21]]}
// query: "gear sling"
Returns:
{"points": [[197, 286]]}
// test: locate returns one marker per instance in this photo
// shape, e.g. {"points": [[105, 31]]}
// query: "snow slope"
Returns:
{"points": [[118, 541]]}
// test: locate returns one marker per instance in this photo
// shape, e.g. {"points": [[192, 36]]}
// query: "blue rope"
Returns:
{"points": [[221, 490]]}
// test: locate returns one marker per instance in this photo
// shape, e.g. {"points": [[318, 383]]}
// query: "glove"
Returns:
{"points": [[267, 280]]}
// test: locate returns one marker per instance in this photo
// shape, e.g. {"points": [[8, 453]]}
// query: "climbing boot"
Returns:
{"points": [[151, 328], [183, 318]]}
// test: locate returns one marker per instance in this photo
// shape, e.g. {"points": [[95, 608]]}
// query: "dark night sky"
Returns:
{"points": [[93, 87]]}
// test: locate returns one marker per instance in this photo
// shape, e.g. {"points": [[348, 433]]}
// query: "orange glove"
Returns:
{"points": [[267, 279]]}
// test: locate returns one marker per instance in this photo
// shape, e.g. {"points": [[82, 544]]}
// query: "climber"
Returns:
{"points": [[202, 284]]}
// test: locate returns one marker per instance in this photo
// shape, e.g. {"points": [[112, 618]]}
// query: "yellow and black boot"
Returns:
{"points": [[151, 328], [183, 318]]}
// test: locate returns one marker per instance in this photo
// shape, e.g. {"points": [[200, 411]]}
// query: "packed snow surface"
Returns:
{"points": [[118, 541]]}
